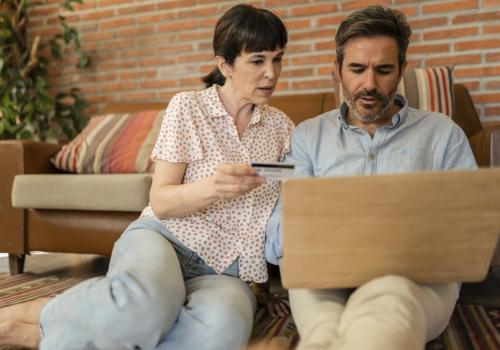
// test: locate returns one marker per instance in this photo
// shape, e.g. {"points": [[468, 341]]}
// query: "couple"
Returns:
{"points": [[179, 275]]}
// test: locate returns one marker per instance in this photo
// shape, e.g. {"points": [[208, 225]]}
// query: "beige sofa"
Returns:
{"points": [[44, 209]]}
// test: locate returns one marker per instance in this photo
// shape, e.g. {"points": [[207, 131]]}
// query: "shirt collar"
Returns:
{"points": [[397, 119], [215, 108]]}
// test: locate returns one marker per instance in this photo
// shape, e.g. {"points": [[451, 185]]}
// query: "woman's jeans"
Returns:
{"points": [[157, 294]]}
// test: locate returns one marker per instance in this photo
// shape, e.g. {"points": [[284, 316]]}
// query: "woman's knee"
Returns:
{"points": [[226, 309]]}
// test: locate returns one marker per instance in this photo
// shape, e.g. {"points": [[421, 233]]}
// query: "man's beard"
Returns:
{"points": [[370, 117]]}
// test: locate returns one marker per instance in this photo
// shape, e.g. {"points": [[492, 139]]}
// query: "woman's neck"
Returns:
{"points": [[236, 106]]}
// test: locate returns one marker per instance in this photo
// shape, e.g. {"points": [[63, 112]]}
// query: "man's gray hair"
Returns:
{"points": [[374, 21]]}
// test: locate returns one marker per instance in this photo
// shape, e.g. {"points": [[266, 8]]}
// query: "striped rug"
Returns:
{"points": [[472, 327]]}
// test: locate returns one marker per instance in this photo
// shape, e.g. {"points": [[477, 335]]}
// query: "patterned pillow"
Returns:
{"points": [[112, 143], [428, 89]]}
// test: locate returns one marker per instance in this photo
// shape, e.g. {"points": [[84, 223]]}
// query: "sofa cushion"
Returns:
{"points": [[112, 143], [110, 192], [428, 89]]}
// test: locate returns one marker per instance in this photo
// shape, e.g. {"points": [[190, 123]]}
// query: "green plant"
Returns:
{"points": [[28, 109]]}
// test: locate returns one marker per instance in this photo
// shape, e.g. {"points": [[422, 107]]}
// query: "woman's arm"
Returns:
{"points": [[170, 198]]}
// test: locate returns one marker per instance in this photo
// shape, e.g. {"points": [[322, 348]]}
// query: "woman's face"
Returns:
{"points": [[254, 75]]}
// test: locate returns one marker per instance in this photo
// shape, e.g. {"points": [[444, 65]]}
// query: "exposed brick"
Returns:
{"points": [[314, 9], [313, 84], [331, 20], [326, 71], [139, 97], [453, 59], [298, 48], [136, 31], [475, 44], [297, 72], [116, 23], [495, 85], [165, 46], [493, 57], [169, 4], [97, 36], [157, 18], [428, 22], [471, 85], [491, 29], [477, 72], [486, 98], [298, 24], [157, 84], [103, 3], [451, 33], [492, 111], [275, 3], [490, 3], [489, 16], [325, 45], [329, 33], [138, 75], [96, 15], [167, 96], [312, 59], [427, 48], [450, 6], [408, 11], [135, 10], [114, 87], [357, 4], [200, 12]]}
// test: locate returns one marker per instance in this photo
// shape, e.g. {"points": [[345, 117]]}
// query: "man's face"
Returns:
{"points": [[369, 76]]}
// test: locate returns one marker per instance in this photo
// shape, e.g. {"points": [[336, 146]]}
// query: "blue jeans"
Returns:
{"points": [[157, 294]]}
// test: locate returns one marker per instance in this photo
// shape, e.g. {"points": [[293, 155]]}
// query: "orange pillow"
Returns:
{"points": [[112, 143]]}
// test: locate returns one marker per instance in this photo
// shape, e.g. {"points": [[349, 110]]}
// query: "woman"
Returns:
{"points": [[177, 275]]}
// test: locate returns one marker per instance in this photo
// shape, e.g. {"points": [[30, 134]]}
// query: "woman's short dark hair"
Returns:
{"points": [[244, 28], [373, 21]]}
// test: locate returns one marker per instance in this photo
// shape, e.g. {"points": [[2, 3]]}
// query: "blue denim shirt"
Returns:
{"points": [[328, 146]]}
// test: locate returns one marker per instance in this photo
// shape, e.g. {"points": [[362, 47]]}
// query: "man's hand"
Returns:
{"points": [[233, 180]]}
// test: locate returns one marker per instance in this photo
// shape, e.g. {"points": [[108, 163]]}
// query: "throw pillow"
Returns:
{"points": [[428, 89], [112, 143]]}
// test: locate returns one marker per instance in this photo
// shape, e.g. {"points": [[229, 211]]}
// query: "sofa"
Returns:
{"points": [[45, 209]]}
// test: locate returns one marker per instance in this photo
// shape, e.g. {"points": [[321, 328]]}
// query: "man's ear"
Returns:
{"points": [[223, 66], [336, 75], [403, 69]]}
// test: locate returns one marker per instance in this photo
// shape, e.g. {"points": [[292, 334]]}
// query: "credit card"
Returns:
{"points": [[277, 171]]}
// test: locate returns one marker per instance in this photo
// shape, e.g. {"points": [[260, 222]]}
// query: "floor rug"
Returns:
{"points": [[472, 327]]}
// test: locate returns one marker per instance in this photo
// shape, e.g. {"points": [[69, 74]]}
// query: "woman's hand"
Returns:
{"points": [[233, 180], [274, 304]]}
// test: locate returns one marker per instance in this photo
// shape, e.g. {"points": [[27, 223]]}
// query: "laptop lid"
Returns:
{"points": [[432, 227]]}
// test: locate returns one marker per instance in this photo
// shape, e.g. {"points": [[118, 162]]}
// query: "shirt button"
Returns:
{"points": [[371, 156]]}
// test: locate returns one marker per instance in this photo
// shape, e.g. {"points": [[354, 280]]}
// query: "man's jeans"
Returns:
{"points": [[157, 294]]}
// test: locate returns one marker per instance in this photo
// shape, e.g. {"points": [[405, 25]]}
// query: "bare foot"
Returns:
{"points": [[15, 333], [28, 312], [270, 344]]}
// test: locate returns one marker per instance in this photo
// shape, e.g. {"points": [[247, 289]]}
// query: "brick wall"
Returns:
{"points": [[147, 50]]}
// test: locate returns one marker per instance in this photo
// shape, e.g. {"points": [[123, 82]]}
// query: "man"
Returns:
{"points": [[373, 132]]}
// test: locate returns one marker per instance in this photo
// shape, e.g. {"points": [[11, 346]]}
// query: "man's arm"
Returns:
{"points": [[300, 157], [458, 154]]}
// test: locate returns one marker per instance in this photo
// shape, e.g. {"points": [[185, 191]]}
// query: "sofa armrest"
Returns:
{"points": [[19, 157], [485, 145]]}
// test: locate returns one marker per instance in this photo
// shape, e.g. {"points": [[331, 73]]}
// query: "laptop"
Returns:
{"points": [[432, 227]]}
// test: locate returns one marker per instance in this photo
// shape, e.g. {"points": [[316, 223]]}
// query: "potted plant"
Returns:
{"points": [[28, 109]]}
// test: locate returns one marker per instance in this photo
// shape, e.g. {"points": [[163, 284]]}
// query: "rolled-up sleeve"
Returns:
{"points": [[303, 168]]}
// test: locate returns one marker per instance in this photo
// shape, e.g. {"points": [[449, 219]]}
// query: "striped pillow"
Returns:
{"points": [[112, 143], [427, 89]]}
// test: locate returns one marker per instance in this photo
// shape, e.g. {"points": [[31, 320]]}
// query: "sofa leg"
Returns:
{"points": [[16, 264]]}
